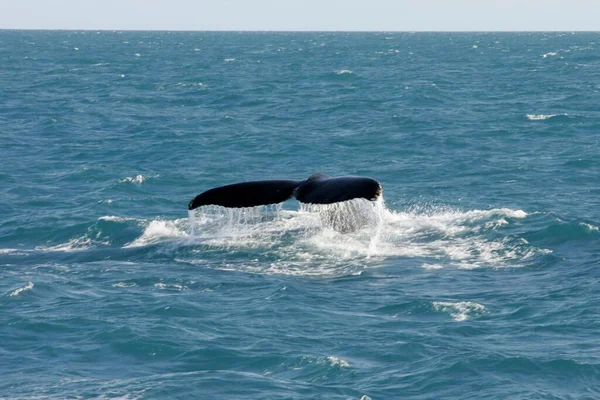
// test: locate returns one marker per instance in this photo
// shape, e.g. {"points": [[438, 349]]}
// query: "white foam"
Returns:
{"points": [[124, 284], [432, 266], [343, 72], [459, 311], [14, 252], [73, 245], [22, 289], [159, 231], [170, 286], [229, 60], [589, 227], [552, 53], [137, 179], [541, 117], [309, 242], [338, 362], [115, 218]]}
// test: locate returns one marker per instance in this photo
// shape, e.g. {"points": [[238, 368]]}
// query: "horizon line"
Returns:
{"points": [[292, 31]]}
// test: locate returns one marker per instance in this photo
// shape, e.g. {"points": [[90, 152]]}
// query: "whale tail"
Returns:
{"points": [[246, 194], [317, 189]]}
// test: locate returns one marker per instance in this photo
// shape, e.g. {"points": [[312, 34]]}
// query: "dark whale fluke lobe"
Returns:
{"points": [[317, 189], [246, 194]]}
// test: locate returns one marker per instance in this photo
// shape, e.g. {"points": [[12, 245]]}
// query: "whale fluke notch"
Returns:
{"points": [[317, 189]]}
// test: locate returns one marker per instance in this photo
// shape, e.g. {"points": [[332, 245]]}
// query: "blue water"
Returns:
{"points": [[480, 278]]}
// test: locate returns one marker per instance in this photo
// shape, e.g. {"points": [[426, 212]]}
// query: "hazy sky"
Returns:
{"points": [[396, 15]]}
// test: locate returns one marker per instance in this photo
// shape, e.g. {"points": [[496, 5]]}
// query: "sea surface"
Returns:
{"points": [[478, 277]]}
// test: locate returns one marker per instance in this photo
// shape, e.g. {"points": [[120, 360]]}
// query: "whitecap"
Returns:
{"points": [[114, 218], [343, 72], [541, 117], [124, 284], [552, 54], [432, 266], [21, 289], [158, 231], [338, 362], [170, 286], [136, 179], [77, 244], [460, 311], [14, 252], [589, 227], [229, 60]]}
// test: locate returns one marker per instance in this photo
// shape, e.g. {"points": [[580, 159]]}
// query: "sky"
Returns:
{"points": [[303, 15]]}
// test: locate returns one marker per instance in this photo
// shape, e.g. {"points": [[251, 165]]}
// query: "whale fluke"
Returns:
{"points": [[317, 189], [246, 194]]}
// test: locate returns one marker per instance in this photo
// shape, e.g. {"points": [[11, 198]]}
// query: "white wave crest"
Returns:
{"points": [[73, 245], [22, 289], [159, 231], [14, 252], [343, 72], [459, 311], [114, 218], [542, 117], [170, 286], [338, 362], [124, 284], [137, 179], [589, 227]]}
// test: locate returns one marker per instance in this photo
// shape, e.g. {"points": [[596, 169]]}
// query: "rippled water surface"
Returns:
{"points": [[476, 277]]}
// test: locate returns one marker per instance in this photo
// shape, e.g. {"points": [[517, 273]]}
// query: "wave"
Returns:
{"points": [[139, 179], [460, 311], [542, 117], [21, 289], [563, 232], [550, 54]]}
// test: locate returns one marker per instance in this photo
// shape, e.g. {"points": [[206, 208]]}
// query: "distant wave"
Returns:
{"points": [[459, 311], [22, 289], [550, 54], [541, 117], [136, 179]]}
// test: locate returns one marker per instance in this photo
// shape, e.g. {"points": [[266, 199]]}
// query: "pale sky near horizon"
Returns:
{"points": [[303, 15]]}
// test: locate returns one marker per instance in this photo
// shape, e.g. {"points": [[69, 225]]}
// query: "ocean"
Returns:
{"points": [[479, 278]]}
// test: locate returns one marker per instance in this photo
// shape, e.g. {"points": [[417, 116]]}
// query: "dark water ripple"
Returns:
{"points": [[481, 283]]}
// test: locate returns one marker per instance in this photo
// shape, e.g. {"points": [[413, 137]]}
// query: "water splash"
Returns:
{"points": [[346, 238]]}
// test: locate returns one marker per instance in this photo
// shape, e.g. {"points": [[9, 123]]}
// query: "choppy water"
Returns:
{"points": [[478, 279]]}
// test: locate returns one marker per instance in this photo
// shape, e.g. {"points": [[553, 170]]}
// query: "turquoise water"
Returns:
{"points": [[479, 280]]}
